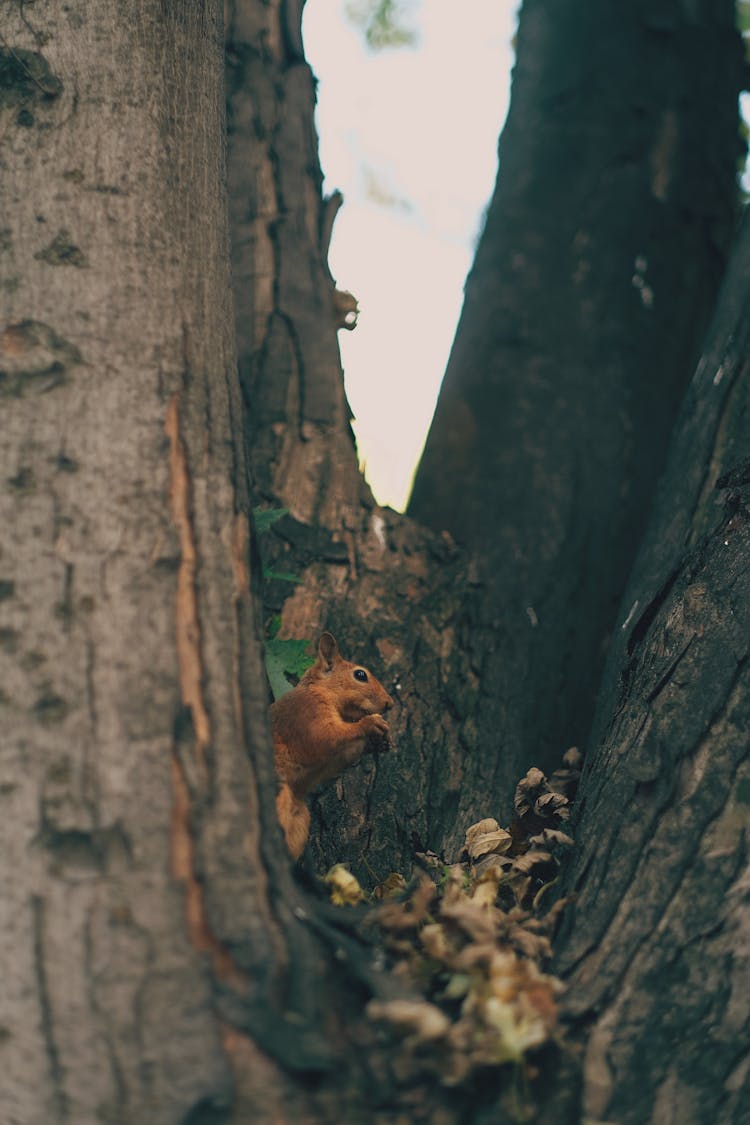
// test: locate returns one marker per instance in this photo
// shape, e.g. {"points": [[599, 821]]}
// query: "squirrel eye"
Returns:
{"points": [[360, 674]]}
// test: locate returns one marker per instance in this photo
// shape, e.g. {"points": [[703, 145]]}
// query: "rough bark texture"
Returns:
{"points": [[532, 614], [384, 587], [161, 965], [392, 604], [301, 448], [657, 947], [137, 925], [585, 309]]}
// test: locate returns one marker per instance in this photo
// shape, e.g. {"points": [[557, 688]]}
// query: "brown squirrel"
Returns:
{"points": [[320, 728]]}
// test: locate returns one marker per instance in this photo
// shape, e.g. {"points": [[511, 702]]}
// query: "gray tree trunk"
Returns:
{"points": [[131, 680]]}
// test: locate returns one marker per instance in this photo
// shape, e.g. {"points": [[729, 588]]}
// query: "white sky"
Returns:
{"points": [[410, 138]]}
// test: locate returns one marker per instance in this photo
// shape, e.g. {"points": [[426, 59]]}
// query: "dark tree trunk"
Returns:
{"points": [[585, 309], [657, 946]]}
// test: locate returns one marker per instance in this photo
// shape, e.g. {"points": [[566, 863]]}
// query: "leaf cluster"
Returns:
{"points": [[470, 942]]}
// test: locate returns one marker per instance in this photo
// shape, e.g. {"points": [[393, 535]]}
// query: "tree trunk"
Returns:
{"points": [[385, 588], [657, 946], [162, 964], [500, 635], [301, 447], [585, 309], [136, 905]]}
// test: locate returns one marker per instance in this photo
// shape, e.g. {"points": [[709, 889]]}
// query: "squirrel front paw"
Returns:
{"points": [[374, 724]]}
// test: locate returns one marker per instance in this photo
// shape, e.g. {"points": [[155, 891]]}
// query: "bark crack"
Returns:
{"points": [[186, 616], [57, 1072], [191, 687], [724, 415], [667, 676], [183, 870]]}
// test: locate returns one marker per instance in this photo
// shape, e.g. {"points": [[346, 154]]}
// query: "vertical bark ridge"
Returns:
{"points": [[301, 448]]}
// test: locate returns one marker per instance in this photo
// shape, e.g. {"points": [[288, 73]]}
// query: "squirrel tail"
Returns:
{"points": [[294, 818]]}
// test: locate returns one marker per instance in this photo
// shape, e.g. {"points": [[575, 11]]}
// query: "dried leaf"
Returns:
{"points": [[434, 940], [425, 1021], [534, 946], [573, 758], [429, 859], [526, 863], [487, 837], [458, 985], [476, 922], [345, 890], [485, 887], [390, 887], [475, 954], [526, 790], [551, 836], [499, 863], [406, 915], [478, 829], [552, 804]]}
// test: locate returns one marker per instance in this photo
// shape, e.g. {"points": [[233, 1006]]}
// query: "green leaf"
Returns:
{"points": [[285, 658], [280, 576], [265, 518], [743, 15], [275, 669]]}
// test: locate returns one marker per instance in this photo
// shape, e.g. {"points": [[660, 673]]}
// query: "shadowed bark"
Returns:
{"points": [[657, 947], [585, 309]]}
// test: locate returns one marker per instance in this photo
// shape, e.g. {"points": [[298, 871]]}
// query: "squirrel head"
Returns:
{"points": [[356, 690]]}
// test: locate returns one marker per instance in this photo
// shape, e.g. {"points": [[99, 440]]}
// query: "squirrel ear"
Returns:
{"points": [[328, 650]]}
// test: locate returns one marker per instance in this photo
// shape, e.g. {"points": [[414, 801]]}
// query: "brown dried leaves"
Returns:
{"points": [[471, 948]]}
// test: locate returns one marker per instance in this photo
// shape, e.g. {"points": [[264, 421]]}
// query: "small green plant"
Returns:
{"points": [[286, 658], [265, 518]]}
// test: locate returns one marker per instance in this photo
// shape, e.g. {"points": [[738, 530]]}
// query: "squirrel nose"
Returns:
{"points": [[388, 704]]}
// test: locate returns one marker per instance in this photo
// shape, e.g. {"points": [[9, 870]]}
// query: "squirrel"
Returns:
{"points": [[320, 728]]}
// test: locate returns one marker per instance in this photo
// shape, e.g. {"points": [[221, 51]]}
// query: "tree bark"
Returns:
{"points": [[387, 589], [162, 964], [593, 282], [137, 908], [301, 447], [657, 946]]}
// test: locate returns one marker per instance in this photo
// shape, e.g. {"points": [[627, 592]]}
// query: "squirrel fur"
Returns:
{"points": [[320, 728]]}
